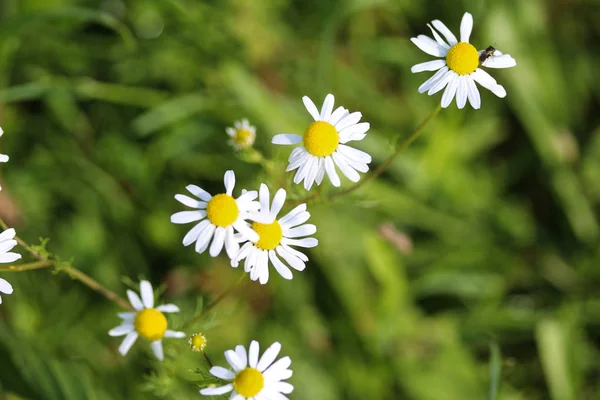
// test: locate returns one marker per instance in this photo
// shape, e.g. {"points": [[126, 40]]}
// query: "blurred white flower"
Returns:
{"points": [[7, 242], [459, 69], [276, 238], [218, 216], [242, 134], [252, 378], [323, 145], [147, 322]]}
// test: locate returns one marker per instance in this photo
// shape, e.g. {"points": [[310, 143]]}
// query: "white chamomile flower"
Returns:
{"points": [[218, 216], [276, 238], [242, 134], [3, 157], [323, 145], [459, 69], [147, 321], [252, 378]]}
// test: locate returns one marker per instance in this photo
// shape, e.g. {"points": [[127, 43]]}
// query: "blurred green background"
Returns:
{"points": [[469, 270]]}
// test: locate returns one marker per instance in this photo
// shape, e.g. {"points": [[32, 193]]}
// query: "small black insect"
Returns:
{"points": [[487, 53]]}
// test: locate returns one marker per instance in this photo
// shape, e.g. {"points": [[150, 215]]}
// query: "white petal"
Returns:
{"points": [[297, 220], [327, 107], [441, 83], [348, 171], [217, 391], [353, 130], [189, 202], [331, 173], [269, 356], [251, 259], [348, 120], [294, 252], [311, 175], [428, 66], [278, 202], [473, 93], [9, 258], [147, 294], [435, 78], [127, 316], [174, 334], [243, 253], [280, 365], [291, 259], [300, 231], [185, 217], [246, 197], [295, 211], [303, 170], [263, 267], [229, 180], [253, 353], [195, 232], [233, 360], [354, 154], [248, 233], [222, 373], [8, 234], [461, 91], [429, 46], [438, 38], [135, 300], [338, 114], [286, 138], [157, 348], [128, 342], [501, 61], [168, 308], [486, 80], [306, 242], [281, 268], [450, 91], [7, 245], [198, 192], [121, 330], [299, 160], [320, 171], [264, 198], [241, 352], [466, 26], [283, 387], [204, 238], [277, 374], [218, 241], [237, 396], [311, 108], [450, 38], [231, 244]]}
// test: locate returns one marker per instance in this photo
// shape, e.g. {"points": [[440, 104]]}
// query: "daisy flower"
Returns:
{"points": [[3, 157], [276, 238], [147, 321], [323, 145], [458, 70], [252, 378], [242, 135], [197, 342], [219, 216]]}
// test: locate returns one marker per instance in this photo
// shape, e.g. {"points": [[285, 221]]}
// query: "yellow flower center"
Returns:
{"points": [[243, 138], [248, 382], [462, 58], [150, 324], [198, 342], [321, 139], [222, 210], [269, 235]]}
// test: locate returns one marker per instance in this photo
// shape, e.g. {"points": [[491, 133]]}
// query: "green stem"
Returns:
{"points": [[27, 267]]}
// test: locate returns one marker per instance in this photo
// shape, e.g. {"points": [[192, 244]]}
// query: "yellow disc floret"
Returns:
{"points": [[462, 58], [150, 324], [321, 139], [222, 210], [248, 382], [197, 342], [270, 235], [243, 138]]}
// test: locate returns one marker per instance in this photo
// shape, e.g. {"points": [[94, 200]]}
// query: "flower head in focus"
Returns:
{"points": [[253, 378], [242, 135], [217, 217], [458, 70], [197, 342], [147, 321], [276, 239], [324, 145]]}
